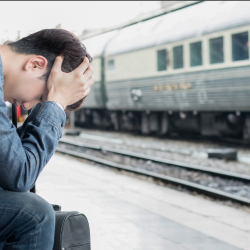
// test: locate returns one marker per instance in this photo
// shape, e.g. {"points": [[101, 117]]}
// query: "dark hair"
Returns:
{"points": [[50, 43]]}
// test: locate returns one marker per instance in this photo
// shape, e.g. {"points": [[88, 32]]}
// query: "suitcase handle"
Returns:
{"points": [[57, 208]]}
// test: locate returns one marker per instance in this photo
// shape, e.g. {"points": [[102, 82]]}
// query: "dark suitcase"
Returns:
{"points": [[72, 231], [72, 228]]}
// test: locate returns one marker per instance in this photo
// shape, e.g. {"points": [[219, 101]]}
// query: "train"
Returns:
{"points": [[185, 72]]}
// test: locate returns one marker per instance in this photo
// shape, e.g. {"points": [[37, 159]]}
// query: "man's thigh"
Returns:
{"points": [[21, 217]]}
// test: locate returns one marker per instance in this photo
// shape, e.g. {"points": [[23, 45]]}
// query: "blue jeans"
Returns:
{"points": [[27, 222]]}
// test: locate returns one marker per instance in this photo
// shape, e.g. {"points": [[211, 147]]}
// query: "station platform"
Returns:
{"points": [[127, 213]]}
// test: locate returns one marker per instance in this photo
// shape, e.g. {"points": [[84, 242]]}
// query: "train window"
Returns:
{"points": [[111, 65], [216, 50], [162, 60], [178, 57], [195, 54], [240, 46]]}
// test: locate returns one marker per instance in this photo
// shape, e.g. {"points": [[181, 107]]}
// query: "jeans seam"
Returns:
{"points": [[33, 218], [22, 212]]}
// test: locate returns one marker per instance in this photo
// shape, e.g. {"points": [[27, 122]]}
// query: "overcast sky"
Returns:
{"points": [[31, 16]]}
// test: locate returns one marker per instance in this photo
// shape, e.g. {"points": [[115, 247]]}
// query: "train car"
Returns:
{"points": [[95, 103], [186, 71]]}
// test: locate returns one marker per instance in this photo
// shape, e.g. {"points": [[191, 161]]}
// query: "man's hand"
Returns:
{"points": [[68, 88]]}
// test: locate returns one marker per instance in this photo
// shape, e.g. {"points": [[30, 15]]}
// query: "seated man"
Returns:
{"points": [[35, 71]]}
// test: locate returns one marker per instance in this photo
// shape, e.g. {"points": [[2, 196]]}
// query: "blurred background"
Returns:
{"points": [[170, 102], [84, 19], [78, 17], [162, 67]]}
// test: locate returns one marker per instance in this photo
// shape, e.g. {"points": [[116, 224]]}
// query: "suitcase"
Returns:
{"points": [[72, 228], [71, 231]]}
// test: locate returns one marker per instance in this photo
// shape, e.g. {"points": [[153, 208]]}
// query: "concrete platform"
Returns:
{"points": [[126, 213]]}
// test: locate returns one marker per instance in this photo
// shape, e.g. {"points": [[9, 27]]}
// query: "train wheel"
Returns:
{"points": [[145, 123], [164, 124]]}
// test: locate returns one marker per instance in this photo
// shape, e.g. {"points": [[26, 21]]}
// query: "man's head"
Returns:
{"points": [[28, 63]]}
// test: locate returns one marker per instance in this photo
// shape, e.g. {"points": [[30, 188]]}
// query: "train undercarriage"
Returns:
{"points": [[207, 124]]}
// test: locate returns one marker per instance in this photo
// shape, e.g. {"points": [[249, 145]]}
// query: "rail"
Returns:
{"points": [[188, 184]]}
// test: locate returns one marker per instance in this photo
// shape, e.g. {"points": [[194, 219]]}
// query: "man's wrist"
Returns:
{"points": [[51, 99], [60, 105]]}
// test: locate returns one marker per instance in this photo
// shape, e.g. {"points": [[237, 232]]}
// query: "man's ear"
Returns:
{"points": [[36, 63]]}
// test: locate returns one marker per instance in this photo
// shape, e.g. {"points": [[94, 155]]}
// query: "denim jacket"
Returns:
{"points": [[25, 151]]}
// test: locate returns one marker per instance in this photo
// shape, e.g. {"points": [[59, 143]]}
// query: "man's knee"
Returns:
{"points": [[40, 207], [30, 203]]}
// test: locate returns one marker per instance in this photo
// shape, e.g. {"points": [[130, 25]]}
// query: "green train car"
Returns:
{"points": [[187, 72]]}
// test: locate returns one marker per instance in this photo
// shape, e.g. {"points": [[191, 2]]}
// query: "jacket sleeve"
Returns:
{"points": [[23, 159]]}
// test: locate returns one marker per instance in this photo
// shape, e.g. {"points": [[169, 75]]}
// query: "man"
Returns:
{"points": [[32, 73]]}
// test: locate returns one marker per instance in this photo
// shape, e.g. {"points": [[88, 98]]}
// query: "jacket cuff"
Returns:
{"points": [[53, 114]]}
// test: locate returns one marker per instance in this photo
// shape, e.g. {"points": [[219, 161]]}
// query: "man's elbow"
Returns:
{"points": [[21, 189], [15, 188], [20, 178], [17, 185]]}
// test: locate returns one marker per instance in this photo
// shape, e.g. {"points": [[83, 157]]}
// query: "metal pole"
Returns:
{"points": [[14, 118], [72, 120]]}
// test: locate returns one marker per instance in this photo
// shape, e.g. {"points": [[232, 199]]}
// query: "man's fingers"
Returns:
{"points": [[87, 74], [83, 66], [86, 92], [58, 62], [90, 81], [88, 84]]}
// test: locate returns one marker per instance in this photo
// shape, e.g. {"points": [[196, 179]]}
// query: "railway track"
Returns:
{"points": [[99, 154]]}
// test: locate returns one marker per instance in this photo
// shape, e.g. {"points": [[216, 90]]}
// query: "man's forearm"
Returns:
{"points": [[22, 159]]}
